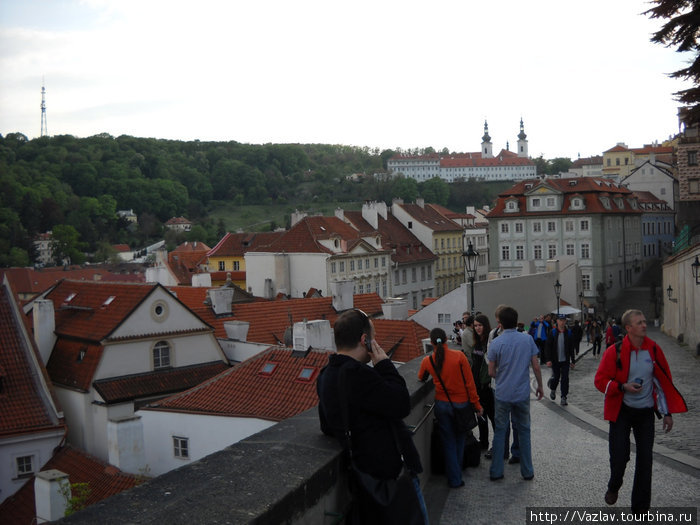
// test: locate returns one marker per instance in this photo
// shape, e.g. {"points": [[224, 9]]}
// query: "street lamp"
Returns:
{"points": [[580, 302], [696, 270], [471, 259], [557, 292]]}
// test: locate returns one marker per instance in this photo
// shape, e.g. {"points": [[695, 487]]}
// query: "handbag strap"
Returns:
{"points": [[437, 373]]}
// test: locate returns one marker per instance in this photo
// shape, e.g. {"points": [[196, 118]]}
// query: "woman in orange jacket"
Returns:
{"points": [[453, 369]]}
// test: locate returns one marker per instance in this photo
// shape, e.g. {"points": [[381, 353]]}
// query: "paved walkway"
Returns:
{"points": [[570, 454]]}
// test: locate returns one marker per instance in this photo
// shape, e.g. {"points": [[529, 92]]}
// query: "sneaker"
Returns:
{"points": [[563, 401], [610, 497], [549, 383], [552, 394]]}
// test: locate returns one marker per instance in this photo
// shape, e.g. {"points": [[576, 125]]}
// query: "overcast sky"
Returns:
{"points": [[378, 73]]}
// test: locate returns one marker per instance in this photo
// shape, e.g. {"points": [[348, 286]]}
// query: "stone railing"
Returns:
{"points": [[288, 473]]}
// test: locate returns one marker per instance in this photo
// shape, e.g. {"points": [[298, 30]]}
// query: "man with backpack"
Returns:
{"points": [[636, 380]]}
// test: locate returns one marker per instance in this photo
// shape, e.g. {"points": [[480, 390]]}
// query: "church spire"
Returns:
{"points": [[486, 137], [522, 141], [486, 146], [522, 135]]}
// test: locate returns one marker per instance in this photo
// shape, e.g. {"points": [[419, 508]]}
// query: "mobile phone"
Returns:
{"points": [[639, 381], [368, 344]]}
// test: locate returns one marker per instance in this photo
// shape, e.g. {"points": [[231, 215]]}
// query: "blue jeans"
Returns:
{"points": [[421, 500], [521, 419], [560, 369], [452, 443]]}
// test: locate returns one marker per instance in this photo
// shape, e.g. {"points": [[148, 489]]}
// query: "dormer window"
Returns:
{"points": [[268, 368], [605, 202], [511, 206], [378, 240], [577, 203], [619, 203], [70, 297], [306, 375], [108, 301], [535, 203]]}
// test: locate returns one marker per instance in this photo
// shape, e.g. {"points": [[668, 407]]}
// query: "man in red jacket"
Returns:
{"points": [[636, 380]]}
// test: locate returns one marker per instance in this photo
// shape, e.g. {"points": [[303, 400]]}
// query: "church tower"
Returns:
{"points": [[522, 141], [486, 146]]}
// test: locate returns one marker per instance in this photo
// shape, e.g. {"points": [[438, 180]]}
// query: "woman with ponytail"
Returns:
{"points": [[482, 329], [451, 368]]}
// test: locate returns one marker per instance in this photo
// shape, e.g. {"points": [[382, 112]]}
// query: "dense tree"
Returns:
{"points": [[66, 245], [681, 30], [435, 190]]}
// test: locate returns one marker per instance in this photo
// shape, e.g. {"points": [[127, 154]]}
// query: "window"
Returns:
{"points": [[436, 245], [367, 263], [422, 273], [383, 287], [538, 251], [585, 251], [519, 252], [692, 158], [161, 355], [537, 227], [535, 203], [570, 249], [403, 276], [268, 368], [332, 267], [584, 225], [444, 318], [663, 191], [376, 262], [430, 272], [383, 262], [552, 251], [504, 227], [236, 266], [693, 185], [352, 265], [222, 266], [569, 226], [396, 278], [505, 253], [518, 227], [550, 202], [551, 226], [306, 374], [25, 468], [511, 206], [617, 162], [181, 447], [360, 288], [413, 275], [586, 282]]}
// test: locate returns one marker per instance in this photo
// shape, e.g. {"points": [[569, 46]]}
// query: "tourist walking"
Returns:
{"points": [[559, 351]]}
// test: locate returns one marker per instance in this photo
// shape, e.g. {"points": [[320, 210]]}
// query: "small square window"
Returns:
{"points": [[181, 447], [268, 368], [25, 467], [306, 374]]}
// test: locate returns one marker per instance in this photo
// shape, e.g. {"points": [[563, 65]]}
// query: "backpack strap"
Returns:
{"points": [[618, 361]]}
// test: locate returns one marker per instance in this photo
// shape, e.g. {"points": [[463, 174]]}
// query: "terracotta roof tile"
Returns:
{"points": [[104, 480], [159, 382], [244, 391], [431, 218], [237, 244], [402, 338], [305, 235], [24, 410], [28, 281]]}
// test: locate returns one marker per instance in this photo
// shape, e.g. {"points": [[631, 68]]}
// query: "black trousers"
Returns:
{"points": [[489, 405], [641, 422]]}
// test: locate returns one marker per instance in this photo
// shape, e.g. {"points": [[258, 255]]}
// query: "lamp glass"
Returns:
{"points": [[471, 258]]}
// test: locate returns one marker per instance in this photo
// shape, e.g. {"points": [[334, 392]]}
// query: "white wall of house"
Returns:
{"points": [[78, 414], [38, 446], [530, 295], [135, 357], [650, 178], [160, 274], [305, 270], [205, 435], [682, 314]]}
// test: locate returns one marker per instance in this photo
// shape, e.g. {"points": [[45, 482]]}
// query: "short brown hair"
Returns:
{"points": [[507, 316], [627, 317], [349, 327]]}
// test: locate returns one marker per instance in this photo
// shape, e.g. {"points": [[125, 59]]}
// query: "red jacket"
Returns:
{"points": [[609, 377]]}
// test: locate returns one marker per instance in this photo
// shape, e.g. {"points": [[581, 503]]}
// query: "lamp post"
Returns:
{"points": [[557, 292], [471, 259], [580, 302], [696, 270]]}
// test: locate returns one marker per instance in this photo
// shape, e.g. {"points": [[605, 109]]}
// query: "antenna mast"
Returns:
{"points": [[44, 128]]}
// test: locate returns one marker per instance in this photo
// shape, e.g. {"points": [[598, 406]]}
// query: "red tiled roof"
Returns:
{"points": [[244, 392], [591, 189], [464, 160], [395, 236], [85, 316], [617, 149], [159, 382], [403, 337], [184, 260], [29, 281], [121, 248], [103, 479], [177, 220], [237, 244], [431, 218], [23, 408], [451, 214], [66, 369], [303, 237], [269, 319], [588, 161]]}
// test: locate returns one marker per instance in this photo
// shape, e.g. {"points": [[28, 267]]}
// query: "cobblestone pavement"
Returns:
{"points": [[570, 455]]}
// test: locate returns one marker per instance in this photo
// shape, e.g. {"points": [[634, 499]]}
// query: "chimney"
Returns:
{"points": [[369, 213], [125, 445], [44, 327], [49, 502], [395, 309], [221, 299], [313, 334], [297, 216], [342, 295], [237, 330], [471, 210], [420, 202], [340, 214]]}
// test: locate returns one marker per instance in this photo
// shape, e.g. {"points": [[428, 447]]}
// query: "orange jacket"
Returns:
{"points": [[452, 377], [610, 376]]}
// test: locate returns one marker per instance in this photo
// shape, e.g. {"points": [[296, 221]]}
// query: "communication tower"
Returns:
{"points": [[44, 129]]}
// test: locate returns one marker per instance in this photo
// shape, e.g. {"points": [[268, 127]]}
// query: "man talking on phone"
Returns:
{"points": [[636, 380], [378, 401]]}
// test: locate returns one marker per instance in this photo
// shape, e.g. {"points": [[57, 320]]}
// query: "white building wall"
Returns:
{"points": [[40, 446], [77, 411], [306, 270], [205, 435], [682, 315]]}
